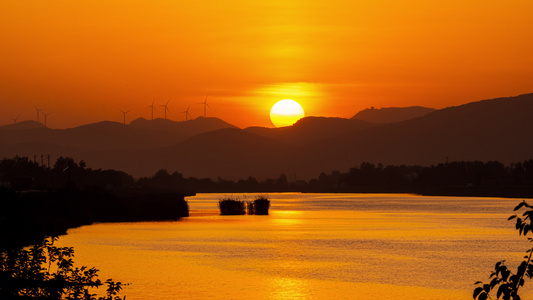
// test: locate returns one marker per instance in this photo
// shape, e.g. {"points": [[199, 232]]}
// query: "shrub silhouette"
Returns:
{"points": [[508, 283], [259, 206], [230, 206], [44, 271]]}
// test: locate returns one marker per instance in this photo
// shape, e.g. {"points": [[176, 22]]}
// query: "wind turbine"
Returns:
{"points": [[15, 119], [166, 108], [205, 106], [45, 115], [152, 107], [187, 114], [38, 112], [124, 113]]}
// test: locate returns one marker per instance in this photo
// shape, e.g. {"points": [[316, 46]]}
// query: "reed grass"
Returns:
{"points": [[260, 206], [229, 206]]}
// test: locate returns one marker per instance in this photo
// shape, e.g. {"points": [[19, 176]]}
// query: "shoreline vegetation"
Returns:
{"points": [[28, 217], [230, 206], [457, 178], [44, 271], [39, 200], [502, 279]]}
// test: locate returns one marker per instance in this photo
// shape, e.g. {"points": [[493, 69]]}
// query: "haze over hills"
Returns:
{"points": [[100, 143], [138, 134], [181, 130], [309, 129], [23, 125], [391, 114], [498, 129]]}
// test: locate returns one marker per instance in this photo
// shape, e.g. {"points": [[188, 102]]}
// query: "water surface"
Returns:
{"points": [[311, 246]]}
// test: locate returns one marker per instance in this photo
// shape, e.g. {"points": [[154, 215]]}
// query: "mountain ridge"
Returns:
{"points": [[113, 135], [494, 129], [308, 129], [387, 115]]}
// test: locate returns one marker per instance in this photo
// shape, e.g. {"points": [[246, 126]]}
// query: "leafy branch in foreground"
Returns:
{"points": [[44, 271], [509, 283]]}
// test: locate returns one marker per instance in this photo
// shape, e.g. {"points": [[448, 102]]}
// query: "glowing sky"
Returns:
{"points": [[84, 60]]}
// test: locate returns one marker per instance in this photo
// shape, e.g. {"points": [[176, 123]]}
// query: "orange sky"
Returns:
{"points": [[84, 60]]}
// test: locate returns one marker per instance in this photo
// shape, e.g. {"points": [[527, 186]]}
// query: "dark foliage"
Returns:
{"points": [[44, 271], [37, 201], [454, 179], [458, 178], [162, 180], [20, 173], [27, 217], [503, 281], [259, 206], [231, 207]]}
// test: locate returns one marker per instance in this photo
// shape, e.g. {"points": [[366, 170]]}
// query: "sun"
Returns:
{"points": [[286, 112]]}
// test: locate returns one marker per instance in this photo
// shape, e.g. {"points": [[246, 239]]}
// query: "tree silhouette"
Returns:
{"points": [[45, 271], [509, 283]]}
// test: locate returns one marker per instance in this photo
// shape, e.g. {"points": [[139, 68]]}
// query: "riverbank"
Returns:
{"points": [[27, 217]]}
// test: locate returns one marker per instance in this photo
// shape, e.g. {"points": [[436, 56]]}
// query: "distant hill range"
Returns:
{"points": [[391, 114], [139, 134], [310, 129], [497, 129]]}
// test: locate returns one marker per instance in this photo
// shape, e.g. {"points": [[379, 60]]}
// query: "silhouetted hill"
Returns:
{"points": [[103, 144], [23, 125], [101, 135], [184, 129], [309, 129], [230, 153], [391, 114], [111, 135], [498, 129]]}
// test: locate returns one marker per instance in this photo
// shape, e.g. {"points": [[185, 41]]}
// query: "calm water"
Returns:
{"points": [[311, 246]]}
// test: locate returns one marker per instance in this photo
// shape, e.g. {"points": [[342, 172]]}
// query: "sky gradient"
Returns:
{"points": [[83, 61]]}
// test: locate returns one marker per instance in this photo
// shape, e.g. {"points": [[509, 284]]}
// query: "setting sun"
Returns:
{"points": [[286, 112]]}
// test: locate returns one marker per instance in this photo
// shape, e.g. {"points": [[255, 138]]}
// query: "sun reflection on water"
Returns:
{"points": [[286, 217], [289, 288]]}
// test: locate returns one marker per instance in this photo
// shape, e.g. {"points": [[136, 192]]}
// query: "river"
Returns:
{"points": [[311, 246]]}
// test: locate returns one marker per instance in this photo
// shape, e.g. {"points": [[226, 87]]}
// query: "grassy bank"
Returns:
{"points": [[27, 217]]}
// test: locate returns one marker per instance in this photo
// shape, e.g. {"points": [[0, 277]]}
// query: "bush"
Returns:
{"points": [[230, 206], [259, 206], [508, 283], [44, 271]]}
